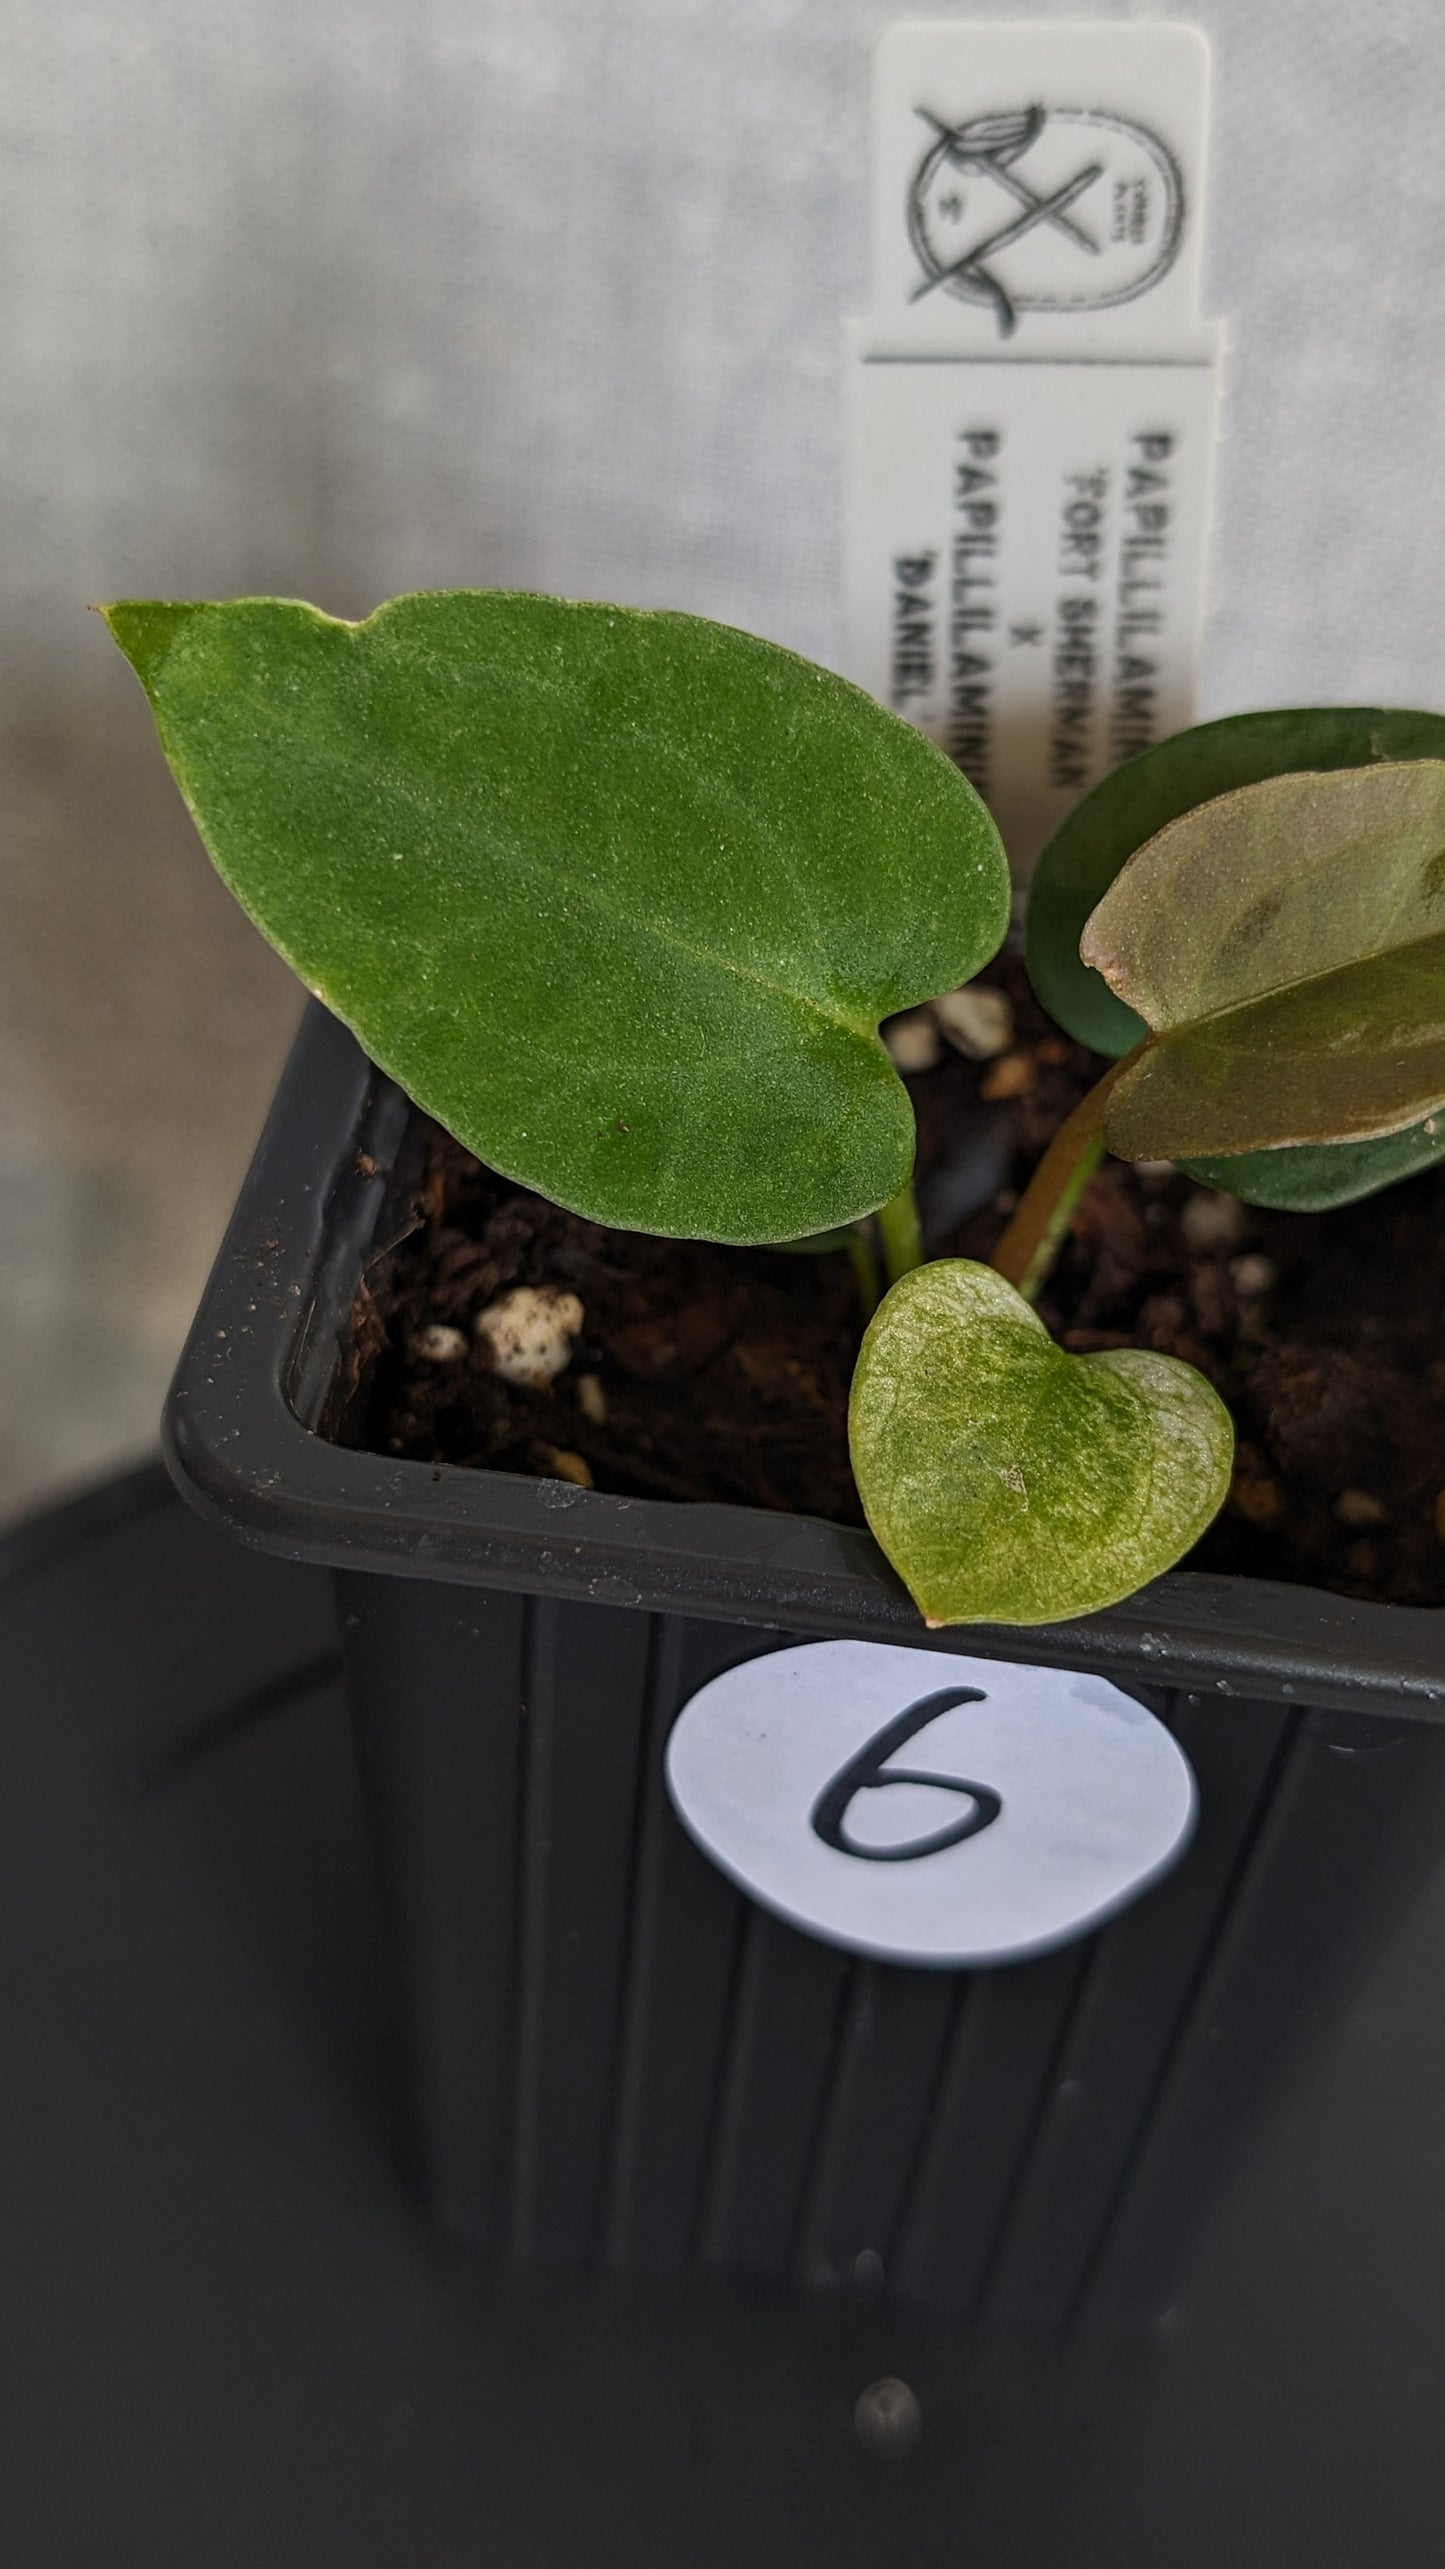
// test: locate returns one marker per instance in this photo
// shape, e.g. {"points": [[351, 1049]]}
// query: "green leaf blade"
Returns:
{"points": [[619, 898], [1009, 1482], [1316, 1177]]}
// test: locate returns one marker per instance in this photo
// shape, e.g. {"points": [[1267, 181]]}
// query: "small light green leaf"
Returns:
{"points": [[1140, 798], [1009, 1482], [620, 898], [1287, 945]]}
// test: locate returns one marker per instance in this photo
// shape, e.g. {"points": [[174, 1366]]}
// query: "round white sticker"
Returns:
{"points": [[927, 1809]]}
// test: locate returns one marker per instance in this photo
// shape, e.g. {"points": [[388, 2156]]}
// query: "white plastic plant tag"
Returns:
{"points": [[922, 1808], [1031, 403]]}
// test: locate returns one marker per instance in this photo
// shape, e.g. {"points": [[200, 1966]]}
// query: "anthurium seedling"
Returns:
{"points": [[622, 899]]}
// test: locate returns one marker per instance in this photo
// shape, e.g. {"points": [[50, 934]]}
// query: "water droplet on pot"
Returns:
{"points": [[887, 2419]]}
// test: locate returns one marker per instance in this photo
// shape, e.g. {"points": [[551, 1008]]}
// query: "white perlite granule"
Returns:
{"points": [[528, 1334]]}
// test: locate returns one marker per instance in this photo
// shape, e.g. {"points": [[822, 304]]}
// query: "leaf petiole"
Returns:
{"points": [[1036, 1233], [864, 1264], [900, 1234]]}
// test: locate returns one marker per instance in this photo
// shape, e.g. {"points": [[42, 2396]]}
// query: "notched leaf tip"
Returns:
{"points": [[145, 629]]}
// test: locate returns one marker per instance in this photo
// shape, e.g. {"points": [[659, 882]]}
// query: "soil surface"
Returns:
{"points": [[706, 1373]]}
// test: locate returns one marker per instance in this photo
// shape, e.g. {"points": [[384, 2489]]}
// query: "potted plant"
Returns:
{"points": [[621, 901]]}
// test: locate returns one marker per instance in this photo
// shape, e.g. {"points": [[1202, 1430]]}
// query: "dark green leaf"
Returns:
{"points": [[1320, 1175], [1009, 1482], [619, 898]]}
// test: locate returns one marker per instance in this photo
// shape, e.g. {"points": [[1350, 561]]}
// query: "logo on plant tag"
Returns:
{"points": [[850, 1790], [1046, 209]]}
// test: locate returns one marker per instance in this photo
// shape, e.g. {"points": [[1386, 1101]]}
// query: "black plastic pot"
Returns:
{"points": [[621, 2060]]}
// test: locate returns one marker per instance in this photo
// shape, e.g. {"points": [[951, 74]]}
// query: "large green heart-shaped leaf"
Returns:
{"points": [[1286, 945], [620, 898], [1131, 805], [1009, 1482]]}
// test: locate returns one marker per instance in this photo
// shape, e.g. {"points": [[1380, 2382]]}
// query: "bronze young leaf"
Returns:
{"points": [[1133, 803], [1286, 946]]}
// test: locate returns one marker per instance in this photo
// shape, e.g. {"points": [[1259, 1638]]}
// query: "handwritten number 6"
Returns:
{"points": [[868, 1773]]}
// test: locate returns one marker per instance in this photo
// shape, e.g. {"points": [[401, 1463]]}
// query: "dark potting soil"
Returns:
{"points": [[706, 1373]]}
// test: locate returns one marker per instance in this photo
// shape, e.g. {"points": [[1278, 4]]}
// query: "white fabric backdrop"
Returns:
{"points": [[345, 299]]}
